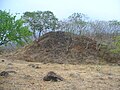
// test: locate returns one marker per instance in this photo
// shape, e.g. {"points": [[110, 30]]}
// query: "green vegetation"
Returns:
{"points": [[117, 45], [12, 30], [116, 25], [35, 24], [40, 22]]}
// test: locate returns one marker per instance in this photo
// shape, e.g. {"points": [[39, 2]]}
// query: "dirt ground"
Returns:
{"points": [[29, 76]]}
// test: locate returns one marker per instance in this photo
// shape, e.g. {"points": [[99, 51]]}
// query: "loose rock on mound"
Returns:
{"points": [[60, 47]]}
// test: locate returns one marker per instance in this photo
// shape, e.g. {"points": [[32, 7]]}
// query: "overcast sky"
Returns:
{"points": [[95, 9]]}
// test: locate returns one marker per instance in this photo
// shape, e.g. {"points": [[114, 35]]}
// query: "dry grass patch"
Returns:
{"points": [[77, 77]]}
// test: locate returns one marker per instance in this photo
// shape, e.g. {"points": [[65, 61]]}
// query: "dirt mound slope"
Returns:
{"points": [[60, 47]]}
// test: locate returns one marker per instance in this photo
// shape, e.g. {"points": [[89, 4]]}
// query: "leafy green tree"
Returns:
{"points": [[12, 30], [40, 21]]}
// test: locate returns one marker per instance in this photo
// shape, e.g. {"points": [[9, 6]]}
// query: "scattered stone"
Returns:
{"points": [[52, 76], [31, 65], [10, 64], [4, 73], [101, 78], [12, 72], [3, 60], [27, 77], [36, 66]]}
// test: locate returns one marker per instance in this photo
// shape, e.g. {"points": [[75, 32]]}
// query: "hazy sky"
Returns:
{"points": [[95, 9]]}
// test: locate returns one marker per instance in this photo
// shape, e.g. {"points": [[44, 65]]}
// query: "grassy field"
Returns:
{"points": [[29, 76]]}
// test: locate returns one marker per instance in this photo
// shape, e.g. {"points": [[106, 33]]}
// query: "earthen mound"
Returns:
{"points": [[60, 47]]}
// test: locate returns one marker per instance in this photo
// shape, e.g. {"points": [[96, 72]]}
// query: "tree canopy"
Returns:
{"points": [[12, 30], [40, 21], [75, 23]]}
